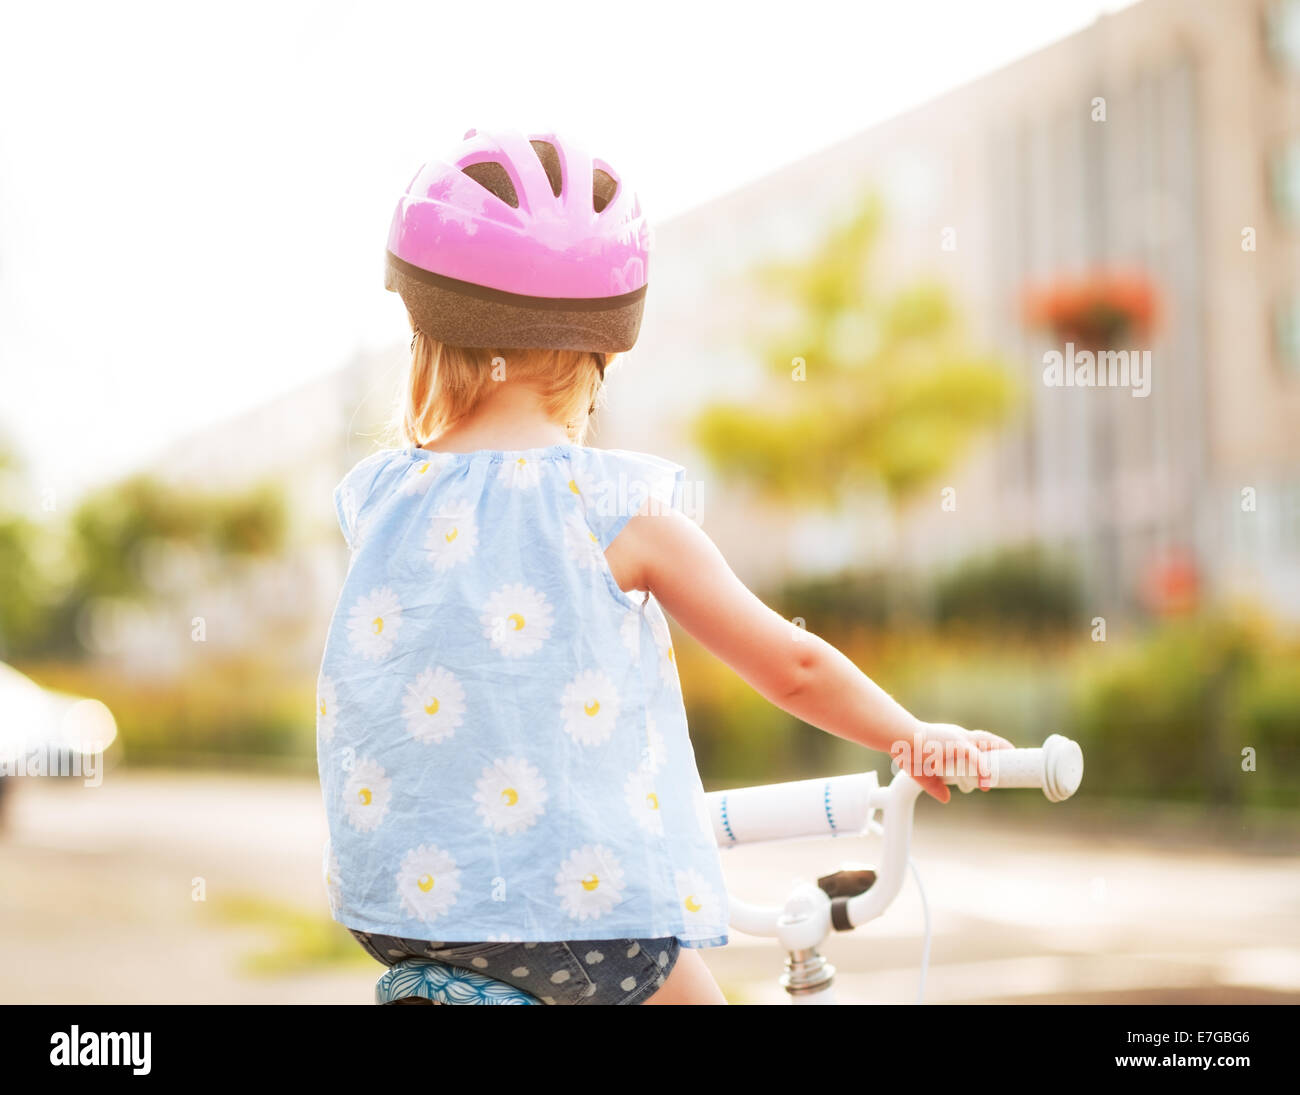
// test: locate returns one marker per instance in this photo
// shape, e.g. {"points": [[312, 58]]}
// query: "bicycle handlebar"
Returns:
{"points": [[1057, 768], [788, 811], [846, 804]]}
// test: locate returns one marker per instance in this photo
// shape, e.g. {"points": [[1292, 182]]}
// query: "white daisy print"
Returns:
{"points": [[333, 878], [434, 706], [590, 707], [519, 472], [585, 487], [374, 622], [421, 474], [655, 751], [699, 902], [630, 631], [453, 535], [581, 542], [517, 620], [603, 495], [663, 644], [366, 795], [326, 703], [428, 881], [643, 801], [511, 794], [590, 882]]}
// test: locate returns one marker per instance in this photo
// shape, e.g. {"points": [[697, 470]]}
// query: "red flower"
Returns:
{"points": [[1097, 310]]}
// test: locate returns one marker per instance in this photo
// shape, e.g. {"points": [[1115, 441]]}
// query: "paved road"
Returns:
{"points": [[98, 886]]}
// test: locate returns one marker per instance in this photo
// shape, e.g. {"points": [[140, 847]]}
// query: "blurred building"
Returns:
{"points": [[1197, 149], [303, 442], [1200, 142]]}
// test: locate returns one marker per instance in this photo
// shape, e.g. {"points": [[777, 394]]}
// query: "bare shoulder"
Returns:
{"points": [[654, 540], [672, 557]]}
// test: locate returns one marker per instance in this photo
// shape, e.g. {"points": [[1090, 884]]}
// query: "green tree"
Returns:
{"points": [[24, 588], [893, 394], [111, 530], [112, 526]]}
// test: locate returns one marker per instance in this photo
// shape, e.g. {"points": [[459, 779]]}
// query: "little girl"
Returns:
{"points": [[503, 750]]}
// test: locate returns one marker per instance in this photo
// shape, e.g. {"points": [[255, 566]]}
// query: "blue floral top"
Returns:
{"points": [[501, 740]]}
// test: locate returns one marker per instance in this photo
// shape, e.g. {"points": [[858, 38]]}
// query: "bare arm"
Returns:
{"points": [[674, 559]]}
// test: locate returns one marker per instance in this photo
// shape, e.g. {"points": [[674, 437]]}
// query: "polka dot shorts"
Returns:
{"points": [[596, 971]]}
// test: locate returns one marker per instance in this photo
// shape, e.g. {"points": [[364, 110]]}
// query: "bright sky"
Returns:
{"points": [[194, 198]]}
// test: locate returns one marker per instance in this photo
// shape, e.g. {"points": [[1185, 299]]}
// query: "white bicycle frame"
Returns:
{"points": [[848, 805]]}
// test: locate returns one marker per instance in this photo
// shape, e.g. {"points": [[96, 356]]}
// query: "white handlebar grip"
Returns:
{"points": [[785, 811], [1057, 768]]}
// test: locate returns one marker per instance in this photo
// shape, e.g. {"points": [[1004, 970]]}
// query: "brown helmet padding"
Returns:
{"points": [[460, 313]]}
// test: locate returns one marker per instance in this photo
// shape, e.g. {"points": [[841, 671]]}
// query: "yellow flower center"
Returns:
{"points": [[652, 800], [516, 621], [366, 796], [425, 882], [521, 461], [509, 796], [691, 904], [591, 708], [450, 536], [377, 624], [594, 540], [590, 883], [431, 708], [573, 486], [672, 658], [322, 707], [423, 468]]}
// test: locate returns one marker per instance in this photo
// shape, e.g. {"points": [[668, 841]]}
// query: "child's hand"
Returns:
{"points": [[938, 747]]}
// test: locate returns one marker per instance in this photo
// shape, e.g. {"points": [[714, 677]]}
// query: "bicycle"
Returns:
{"points": [[844, 900]]}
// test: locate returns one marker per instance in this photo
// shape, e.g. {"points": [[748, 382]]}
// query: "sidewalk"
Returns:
{"points": [[97, 904]]}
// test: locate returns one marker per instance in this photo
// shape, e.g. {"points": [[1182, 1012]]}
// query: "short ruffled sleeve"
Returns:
{"points": [[615, 485], [354, 491]]}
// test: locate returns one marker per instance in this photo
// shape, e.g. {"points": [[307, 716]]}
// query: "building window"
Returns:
{"points": [[1285, 174], [1282, 30]]}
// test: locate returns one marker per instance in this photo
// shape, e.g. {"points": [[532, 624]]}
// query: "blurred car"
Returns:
{"points": [[48, 733]]}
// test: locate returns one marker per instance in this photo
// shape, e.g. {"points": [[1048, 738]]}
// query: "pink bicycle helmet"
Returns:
{"points": [[521, 242]]}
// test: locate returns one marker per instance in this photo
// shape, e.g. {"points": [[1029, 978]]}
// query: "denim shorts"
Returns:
{"points": [[594, 971]]}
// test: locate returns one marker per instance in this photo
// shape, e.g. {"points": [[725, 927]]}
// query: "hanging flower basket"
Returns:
{"points": [[1171, 583], [1098, 310]]}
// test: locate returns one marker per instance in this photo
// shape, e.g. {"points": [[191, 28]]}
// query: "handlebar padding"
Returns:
{"points": [[1057, 768], [786, 811]]}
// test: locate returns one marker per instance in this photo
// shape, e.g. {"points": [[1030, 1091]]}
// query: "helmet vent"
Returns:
{"points": [[603, 188], [550, 164], [493, 178]]}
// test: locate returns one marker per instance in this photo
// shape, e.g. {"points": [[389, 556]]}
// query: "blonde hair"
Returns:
{"points": [[446, 383]]}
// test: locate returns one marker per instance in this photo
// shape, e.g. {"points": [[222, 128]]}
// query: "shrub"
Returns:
{"points": [[1023, 588], [1170, 715], [219, 712]]}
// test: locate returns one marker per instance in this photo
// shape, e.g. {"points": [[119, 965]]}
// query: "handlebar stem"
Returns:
{"points": [[897, 804]]}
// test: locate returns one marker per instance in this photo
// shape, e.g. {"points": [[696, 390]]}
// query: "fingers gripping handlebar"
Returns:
{"points": [[847, 804], [1057, 768]]}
